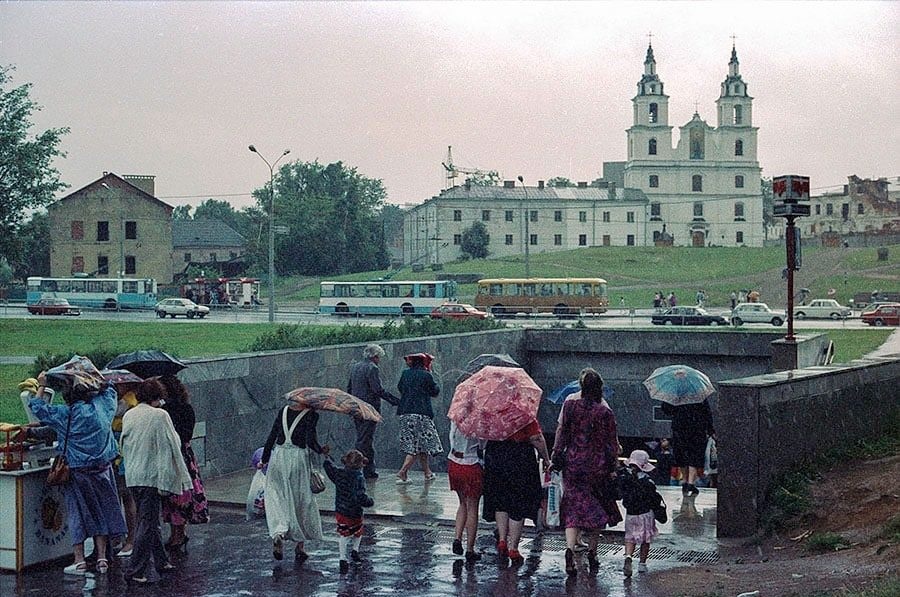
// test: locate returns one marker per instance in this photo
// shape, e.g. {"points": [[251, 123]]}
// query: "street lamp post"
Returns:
{"points": [[527, 235], [271, 227]]}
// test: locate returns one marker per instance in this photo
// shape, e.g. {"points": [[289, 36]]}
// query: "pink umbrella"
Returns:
{"points": [[495, 402], [334, 400]]}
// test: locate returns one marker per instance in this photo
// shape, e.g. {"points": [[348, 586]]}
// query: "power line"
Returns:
{"points": [[210, 196]]}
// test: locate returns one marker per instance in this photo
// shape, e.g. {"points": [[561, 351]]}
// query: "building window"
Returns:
{"points": [[655, 211], [457, 215], [654, 113], [829, 209], [557, 215], [651, 147], [698, 209], [533, 239], [737, 115], [102, 231], [131, 230], [77, 264], [487, 239], [654, 181], [130, 265], [697, 183], [187, 257], [557, 240], [485, 215], [509, 239], [606, 216], [738, 211], [582, 216], [532, 215], [739, 182], [232, 255], [629, 217], [582, 240], [77, 230], [102, 264], [845, 210], [818, 210], [629, 240], [508, 215], [738, 147], [457, 239], [739, 237], [213, 257], [860, 209], [606, 241]]}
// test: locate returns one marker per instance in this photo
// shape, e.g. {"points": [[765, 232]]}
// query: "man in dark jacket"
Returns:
{"points": [[365, 384]]}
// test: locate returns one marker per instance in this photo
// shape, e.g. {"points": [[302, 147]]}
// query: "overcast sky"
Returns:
{"points": [[179, 89]]}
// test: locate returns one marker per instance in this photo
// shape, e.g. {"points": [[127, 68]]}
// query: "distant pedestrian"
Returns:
{"points": [[665, 460], [639, 499], [733, 300], [672, 300], [365, 384], [701, 297], [657, 300], [349, 500]]}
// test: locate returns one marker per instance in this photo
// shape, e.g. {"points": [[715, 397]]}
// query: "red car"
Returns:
{"points": [[886, 314], [457, 311], [53, 306]]}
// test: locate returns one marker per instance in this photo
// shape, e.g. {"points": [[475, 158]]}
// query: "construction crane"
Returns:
{"points": [[453, 171]]}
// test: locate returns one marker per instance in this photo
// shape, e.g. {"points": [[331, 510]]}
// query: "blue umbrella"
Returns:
{"points": [[679, 384], [559, 395]]}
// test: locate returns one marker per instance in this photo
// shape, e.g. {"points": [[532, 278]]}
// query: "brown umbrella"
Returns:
{"points": [[333, 400], [495, 402]]}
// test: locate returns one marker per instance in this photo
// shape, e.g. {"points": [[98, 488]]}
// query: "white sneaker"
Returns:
{"points": [[626, 569], [76, 569], [642, 566]]}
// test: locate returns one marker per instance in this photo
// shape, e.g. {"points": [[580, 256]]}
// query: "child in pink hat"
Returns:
{"points": [[639, 499]]}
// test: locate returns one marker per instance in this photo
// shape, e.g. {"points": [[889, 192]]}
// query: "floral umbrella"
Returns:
{"points": [[679, 384], [334, 400], [76, 373], [495, 402]]}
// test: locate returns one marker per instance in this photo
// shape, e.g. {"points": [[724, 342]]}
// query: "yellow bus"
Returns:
{"points": [[560, 296]]}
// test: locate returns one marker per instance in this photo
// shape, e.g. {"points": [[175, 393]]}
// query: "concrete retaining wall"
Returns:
{"points": [[769, 424]]}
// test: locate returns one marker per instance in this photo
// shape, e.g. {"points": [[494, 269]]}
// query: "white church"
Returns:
{"points": [[704, 191]]}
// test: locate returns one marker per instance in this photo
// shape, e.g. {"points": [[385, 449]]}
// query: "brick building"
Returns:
{"points": [[113, 226], [864, 205]]}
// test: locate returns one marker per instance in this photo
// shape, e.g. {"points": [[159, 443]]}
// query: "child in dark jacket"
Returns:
{"points": [[639, 499], [349, 500]]}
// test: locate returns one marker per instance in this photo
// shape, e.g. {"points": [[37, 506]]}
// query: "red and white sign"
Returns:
{"points": [[790, 188]]}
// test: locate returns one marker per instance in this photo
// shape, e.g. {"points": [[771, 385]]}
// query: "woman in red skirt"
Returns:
{"points": [[465, 472]]}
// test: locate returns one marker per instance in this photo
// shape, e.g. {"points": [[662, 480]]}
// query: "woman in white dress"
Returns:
{"points": [[291, 509]]}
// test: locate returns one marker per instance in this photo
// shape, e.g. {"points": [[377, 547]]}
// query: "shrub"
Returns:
{"points": [[824, 542]]}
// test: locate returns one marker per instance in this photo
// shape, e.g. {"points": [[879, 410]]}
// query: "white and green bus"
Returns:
{"points": [[391, 297]]}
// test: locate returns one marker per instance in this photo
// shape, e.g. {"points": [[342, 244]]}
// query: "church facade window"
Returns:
{"points": [[651, 147], [739, 182], [697, 183], [654, 113], [698, 210], [654, 181], [738, 115], [697, 144], [738, 147], [738, 211]]}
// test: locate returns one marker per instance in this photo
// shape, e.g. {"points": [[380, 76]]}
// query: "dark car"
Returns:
{"points": [[687, 316], [53, 306], [458, 311], [886, 314]]}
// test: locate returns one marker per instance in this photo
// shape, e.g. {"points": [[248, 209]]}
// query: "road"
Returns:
{"points": [[616, 317]]}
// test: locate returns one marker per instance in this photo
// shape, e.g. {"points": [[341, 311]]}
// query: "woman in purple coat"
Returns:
{"points": [[587, 446]]}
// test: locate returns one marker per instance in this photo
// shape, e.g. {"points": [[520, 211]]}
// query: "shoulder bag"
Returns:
{"points": [[59, 473], [659, 510]]}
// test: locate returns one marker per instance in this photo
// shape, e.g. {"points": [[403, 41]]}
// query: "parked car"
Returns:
{"points": [[53, 306], [886, 314], [822, 309], [756, 313], [687, 316], [180, 306], [458, 311]]}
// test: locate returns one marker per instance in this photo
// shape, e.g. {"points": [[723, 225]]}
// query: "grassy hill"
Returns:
{"points": [[635, 273]]}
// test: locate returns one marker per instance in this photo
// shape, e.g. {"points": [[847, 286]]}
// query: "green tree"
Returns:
{"points": [[213, 209], [474, 243], [560, 181], [182, 212], [484, 178], [34, 248], [333, 216], [28, 179]]}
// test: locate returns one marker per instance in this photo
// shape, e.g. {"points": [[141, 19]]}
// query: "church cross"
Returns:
{"points": [[650, 38], [733, 37]]}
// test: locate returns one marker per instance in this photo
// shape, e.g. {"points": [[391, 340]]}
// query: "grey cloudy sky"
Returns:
{"points": [[179, 89]]}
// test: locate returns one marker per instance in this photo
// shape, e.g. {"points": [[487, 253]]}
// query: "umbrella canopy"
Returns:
{"points": [[147, 363], [679, 384], [76, 373], [495, 402], [334, 400], [121, 378], [559, 395], [483, 360]]}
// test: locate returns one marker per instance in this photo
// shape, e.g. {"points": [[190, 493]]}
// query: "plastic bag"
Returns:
{"points": [[256, 497], [554, 497], [78, 373]]}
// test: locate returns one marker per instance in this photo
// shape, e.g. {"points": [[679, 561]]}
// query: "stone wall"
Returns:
{"points": [[770, 424]]}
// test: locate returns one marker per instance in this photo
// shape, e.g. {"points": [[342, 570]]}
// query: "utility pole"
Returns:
{"points": [[527, 235]]}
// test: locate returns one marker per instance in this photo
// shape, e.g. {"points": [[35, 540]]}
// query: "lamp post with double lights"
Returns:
{"points": [[527, 235], [271, 227]]}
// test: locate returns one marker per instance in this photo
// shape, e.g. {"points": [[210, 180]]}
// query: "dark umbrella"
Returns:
{"points": [[483, 360], [147, 363]]}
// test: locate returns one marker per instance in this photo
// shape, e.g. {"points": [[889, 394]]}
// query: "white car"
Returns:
{"points": [[823, 309], [180, 306], [756, 313]]}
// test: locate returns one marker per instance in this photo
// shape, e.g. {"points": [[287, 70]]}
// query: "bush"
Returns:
{"points": [[825, 542]]}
